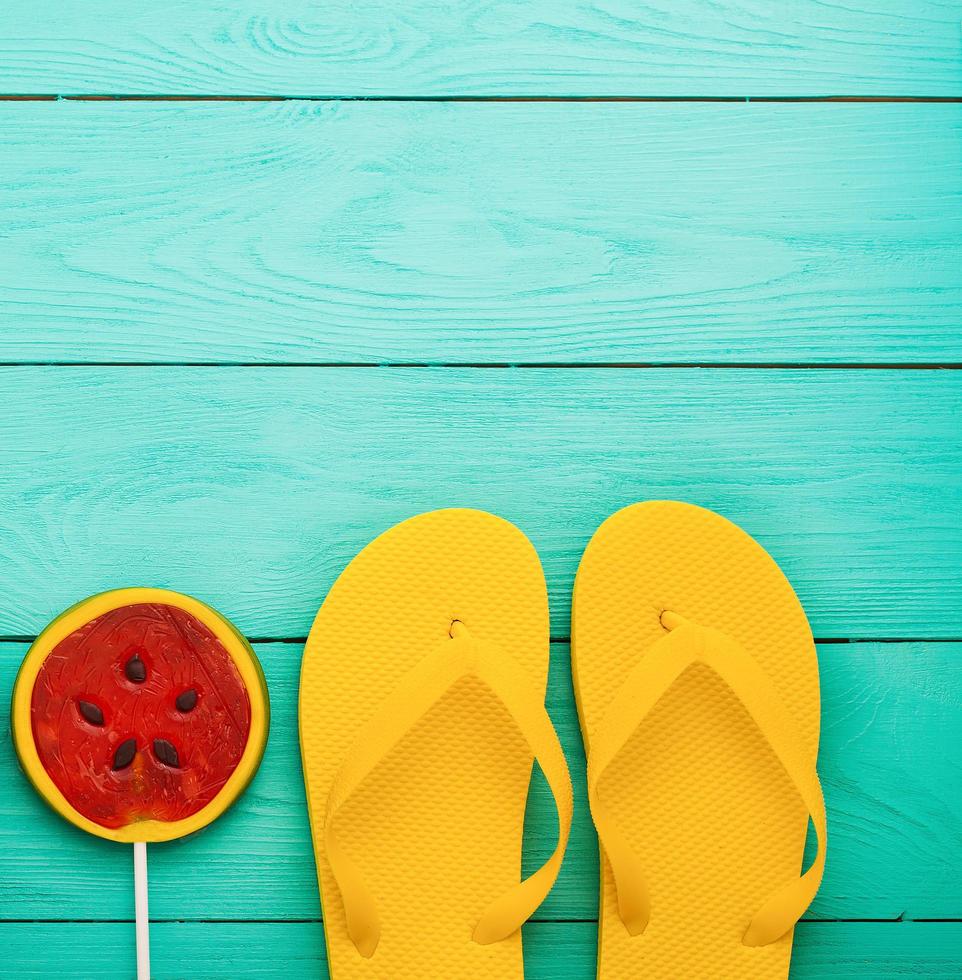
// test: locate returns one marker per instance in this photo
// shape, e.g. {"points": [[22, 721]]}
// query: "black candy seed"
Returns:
{"points": [[125, 754], [186, 701], [91, 712], [135, 669], [166, 753]]}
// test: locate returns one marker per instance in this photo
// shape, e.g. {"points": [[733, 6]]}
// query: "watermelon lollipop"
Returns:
{"points": [[140, 715]]}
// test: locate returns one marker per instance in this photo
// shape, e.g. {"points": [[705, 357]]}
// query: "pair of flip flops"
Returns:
{"points": [[422, 711]]}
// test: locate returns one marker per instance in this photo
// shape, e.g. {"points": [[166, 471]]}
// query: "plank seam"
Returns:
{"points": [[891, 921], [521, 365], [160, 97], [561, 640]]}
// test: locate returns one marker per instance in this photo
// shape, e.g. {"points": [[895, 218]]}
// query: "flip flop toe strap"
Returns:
{"points": [[419, 690], [655, 674]]}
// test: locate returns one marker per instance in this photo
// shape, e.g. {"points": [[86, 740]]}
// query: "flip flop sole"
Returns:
{"points": [[436, 828], [696, 790]]}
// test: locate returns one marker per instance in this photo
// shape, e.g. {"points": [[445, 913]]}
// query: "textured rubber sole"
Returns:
{"points": [[697, 791], [436, 829]]}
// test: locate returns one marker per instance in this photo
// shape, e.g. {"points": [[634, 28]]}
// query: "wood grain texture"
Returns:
{"points": [[505, 233], [253, 487], [469, 47], [894, 796], [553, 951]]}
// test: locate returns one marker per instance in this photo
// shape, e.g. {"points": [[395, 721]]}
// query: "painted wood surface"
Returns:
{"points": [[472, 47], [553, 951], [494, 233], [253, 487], [893, 787]]}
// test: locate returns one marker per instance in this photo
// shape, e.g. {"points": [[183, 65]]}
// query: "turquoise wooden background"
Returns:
{"points": [[275, 276]]}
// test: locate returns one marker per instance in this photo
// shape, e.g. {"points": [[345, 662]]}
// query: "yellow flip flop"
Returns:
{"points": [[421, 711], [697, 687]]}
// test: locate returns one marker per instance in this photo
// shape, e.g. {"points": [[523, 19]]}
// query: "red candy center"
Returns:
{"points": [[140, 714]]}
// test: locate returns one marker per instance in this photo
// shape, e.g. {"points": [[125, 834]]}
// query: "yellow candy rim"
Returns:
{"points": [[148, 831]]}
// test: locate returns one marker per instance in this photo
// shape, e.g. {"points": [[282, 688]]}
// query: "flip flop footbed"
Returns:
{"points": [[697, 791], [435, 830]]}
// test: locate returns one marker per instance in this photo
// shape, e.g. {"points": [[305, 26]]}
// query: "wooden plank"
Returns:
{"points": [[466, 47], [553, 950], [894, 797], [253, 487], [495, 233]]}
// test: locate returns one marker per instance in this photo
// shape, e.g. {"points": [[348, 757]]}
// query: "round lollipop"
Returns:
{"points": [[140, 715]]}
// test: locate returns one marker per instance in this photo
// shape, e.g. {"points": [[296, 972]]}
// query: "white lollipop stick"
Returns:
{"points": [[140, 907]]}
